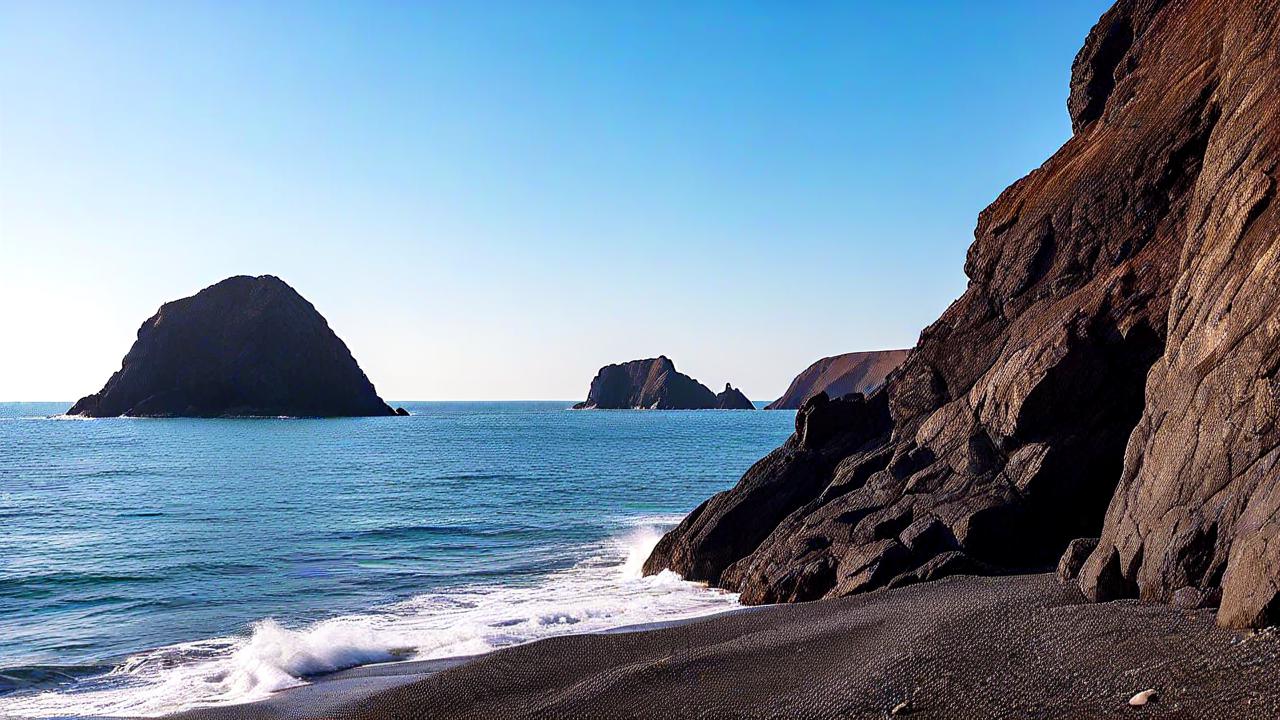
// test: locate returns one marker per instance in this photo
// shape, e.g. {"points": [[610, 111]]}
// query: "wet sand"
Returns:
{"points": [[965, 647]]}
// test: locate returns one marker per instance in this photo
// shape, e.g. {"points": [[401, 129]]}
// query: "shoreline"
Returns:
{"points": [[329, 693], [1013, 646], [372, 542], [332, 692]]}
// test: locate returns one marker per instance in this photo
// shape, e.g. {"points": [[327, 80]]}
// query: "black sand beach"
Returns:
{"points": [[965, 647]]}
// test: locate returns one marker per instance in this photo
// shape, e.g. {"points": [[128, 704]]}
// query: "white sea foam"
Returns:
{"points": [[603, 591]]}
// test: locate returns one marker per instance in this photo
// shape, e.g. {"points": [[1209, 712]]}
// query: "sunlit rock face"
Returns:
{"points": [[838, 375]]}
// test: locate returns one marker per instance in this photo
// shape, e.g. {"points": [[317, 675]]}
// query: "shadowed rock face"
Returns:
{"points": [[1199, 498], [857, 372], [243, 347], [654, 384], [1131, 281]]}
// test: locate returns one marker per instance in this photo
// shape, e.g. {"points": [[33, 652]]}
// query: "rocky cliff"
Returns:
{"points": [[1110, 370], [839, 375], [655, 384], [244, 347]]}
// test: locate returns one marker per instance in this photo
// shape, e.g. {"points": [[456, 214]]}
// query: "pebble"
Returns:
{"points": [[1142, 698]]}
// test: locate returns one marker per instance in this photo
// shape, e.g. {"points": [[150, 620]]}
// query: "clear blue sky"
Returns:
{"points": [[493, 199]]}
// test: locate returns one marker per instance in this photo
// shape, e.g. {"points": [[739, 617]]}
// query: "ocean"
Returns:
{"points": [[149, 566]]}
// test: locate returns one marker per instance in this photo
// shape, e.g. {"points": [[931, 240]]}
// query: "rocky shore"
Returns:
{"points": [[1112, 370], [964, 647], [1104, 398]]}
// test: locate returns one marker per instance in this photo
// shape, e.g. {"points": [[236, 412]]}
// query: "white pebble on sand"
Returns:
{"points": [[1142, 698]]}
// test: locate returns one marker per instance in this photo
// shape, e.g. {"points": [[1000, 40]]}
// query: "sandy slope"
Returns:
{"points": [[965, 647]]}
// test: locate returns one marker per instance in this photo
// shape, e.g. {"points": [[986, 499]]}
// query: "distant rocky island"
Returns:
{"points": [[655, 384], [731, 398], [245, 347], [839, 375]]}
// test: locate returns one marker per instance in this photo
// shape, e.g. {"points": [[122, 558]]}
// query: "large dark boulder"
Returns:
{"points": [[731, 524], [244, 347], [838, 375], [1132, 281], [655, 384]]}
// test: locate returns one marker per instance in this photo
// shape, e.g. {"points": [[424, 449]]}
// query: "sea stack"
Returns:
{"points": [[245, 347], [655, 384], [733, 399], [839, 375], [1112, 370]]}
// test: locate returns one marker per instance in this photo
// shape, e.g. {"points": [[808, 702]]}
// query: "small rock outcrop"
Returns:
{"points": [[838, 375], [247, 346], [1112, 369], [733, 399], [655, 384], [1073, 558]]}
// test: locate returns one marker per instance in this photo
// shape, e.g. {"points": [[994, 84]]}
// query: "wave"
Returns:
{"points": [[412, 532], [30, 677], [50, 584], [604, 591]]}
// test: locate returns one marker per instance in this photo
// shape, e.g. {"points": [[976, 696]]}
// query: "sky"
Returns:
{"points": [[492, 200]]}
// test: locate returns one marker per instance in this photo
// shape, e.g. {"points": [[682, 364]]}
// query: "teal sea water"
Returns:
{"points": [[148, 566]]}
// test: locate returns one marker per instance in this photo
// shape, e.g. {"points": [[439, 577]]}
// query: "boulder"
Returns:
{"points": [[1073, 559]]}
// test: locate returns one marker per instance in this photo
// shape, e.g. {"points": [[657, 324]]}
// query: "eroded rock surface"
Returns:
{"points": [[1130, 281], [1199, 498], [247, 346], [838, 375]]}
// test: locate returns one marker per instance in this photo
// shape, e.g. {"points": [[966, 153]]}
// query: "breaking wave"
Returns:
{"points": [[605, 590]]}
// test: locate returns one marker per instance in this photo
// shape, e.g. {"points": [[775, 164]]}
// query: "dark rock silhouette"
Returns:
{"points": [[1116, 355], [733, 399], [856, 372], [244, 347], [654, 384]]}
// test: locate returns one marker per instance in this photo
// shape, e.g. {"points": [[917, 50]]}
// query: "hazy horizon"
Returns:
{"points": [[491, 204]]}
